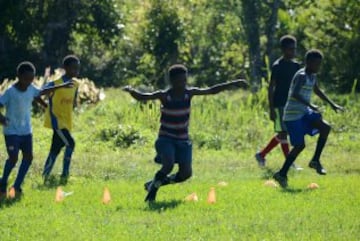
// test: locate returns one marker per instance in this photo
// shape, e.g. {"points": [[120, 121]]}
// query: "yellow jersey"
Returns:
{"points": [[58, 114]]}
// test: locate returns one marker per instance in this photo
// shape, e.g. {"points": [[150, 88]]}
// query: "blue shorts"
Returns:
{"points": [[15, 143], [171, 149], [299, 128]]}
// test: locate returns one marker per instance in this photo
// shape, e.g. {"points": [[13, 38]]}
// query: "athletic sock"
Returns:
{"points": [[9, 165], [319, 148], [273, 143], [285, 147], [159, 179], [67, 161], [49, 164], [24, 167], [287, 164]]}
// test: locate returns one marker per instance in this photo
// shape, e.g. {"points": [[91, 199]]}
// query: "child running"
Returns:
{"points": [[173, 144], [17, 100], [58, 117], [282, 72], [301, 117]]}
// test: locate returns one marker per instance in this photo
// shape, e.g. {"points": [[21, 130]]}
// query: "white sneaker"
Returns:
{"points": [[297, 167]]}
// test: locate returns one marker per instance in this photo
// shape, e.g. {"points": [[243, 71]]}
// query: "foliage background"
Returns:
{"points": [[134, 41]]}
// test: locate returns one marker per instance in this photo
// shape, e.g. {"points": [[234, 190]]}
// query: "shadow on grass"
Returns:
{"points": [[51, 183], [294, 190], [162, 206], [7, 203], [352, 171], [268, 173]]}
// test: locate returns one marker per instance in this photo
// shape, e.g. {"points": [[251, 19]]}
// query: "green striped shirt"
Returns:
{"points": [[294, 109]]}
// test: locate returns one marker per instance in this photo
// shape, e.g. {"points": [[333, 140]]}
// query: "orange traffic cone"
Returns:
{"points": [[192, 197], [106, 196], [12, 193], [313, 185], [59, 196], [211, 196], [270, 183]]}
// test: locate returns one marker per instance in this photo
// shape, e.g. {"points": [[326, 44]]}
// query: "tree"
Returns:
{"points": [[251, 23], [162, 35]]}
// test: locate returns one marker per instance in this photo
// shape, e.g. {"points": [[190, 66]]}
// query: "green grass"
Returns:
{"points": [[227, 130]]}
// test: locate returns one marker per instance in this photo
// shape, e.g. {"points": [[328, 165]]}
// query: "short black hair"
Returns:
{"points": [[24, 67], [287, 40], [313, 54], [177, 69], [70, 59]]}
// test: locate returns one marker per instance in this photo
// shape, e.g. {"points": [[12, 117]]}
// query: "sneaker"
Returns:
{"points": [[3, 191], [2, 196], [150, 197], [318, 167], [261, 160], [63, 180], [297, 167], [281, 180], [147, 185]]}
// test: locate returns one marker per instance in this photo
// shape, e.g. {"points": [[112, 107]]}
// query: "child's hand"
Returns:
{"points": [[337, 108]]}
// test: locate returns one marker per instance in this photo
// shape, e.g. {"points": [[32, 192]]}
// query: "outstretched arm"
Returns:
{"points": [[218, 87], [138, 95], [49, 90], [324, 97]]}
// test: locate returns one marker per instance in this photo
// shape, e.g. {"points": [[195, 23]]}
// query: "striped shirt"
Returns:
{"points": [[175, 116], [294, 109]]}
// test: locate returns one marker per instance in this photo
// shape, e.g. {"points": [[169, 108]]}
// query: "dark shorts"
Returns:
{"points": [[178, 150], [279, 125], [299, 128], [15, 143]]}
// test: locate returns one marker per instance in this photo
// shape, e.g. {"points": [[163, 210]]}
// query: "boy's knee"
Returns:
{"points": [[72, 144], [183, 176], [299, 148], [282, 136], [167, 165], [13, 159], [28, 157]]}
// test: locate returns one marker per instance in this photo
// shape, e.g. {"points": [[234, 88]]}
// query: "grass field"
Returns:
{"points": [[114, 150]]}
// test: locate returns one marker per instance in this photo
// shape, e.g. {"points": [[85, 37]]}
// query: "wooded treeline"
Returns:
{"points": [[134, 41]]}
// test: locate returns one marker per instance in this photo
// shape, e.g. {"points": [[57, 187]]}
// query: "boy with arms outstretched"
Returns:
{"points": [[17, 100], [301, 117], [173, 144]]}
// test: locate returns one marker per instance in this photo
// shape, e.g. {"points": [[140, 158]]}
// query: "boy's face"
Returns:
{"points": [[73, 69], [179, 81], [26, 79], [289, 52], [314, 65]]}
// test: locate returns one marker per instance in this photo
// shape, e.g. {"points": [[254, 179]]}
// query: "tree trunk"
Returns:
{"points": [[250, 19], [270, 30]]}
